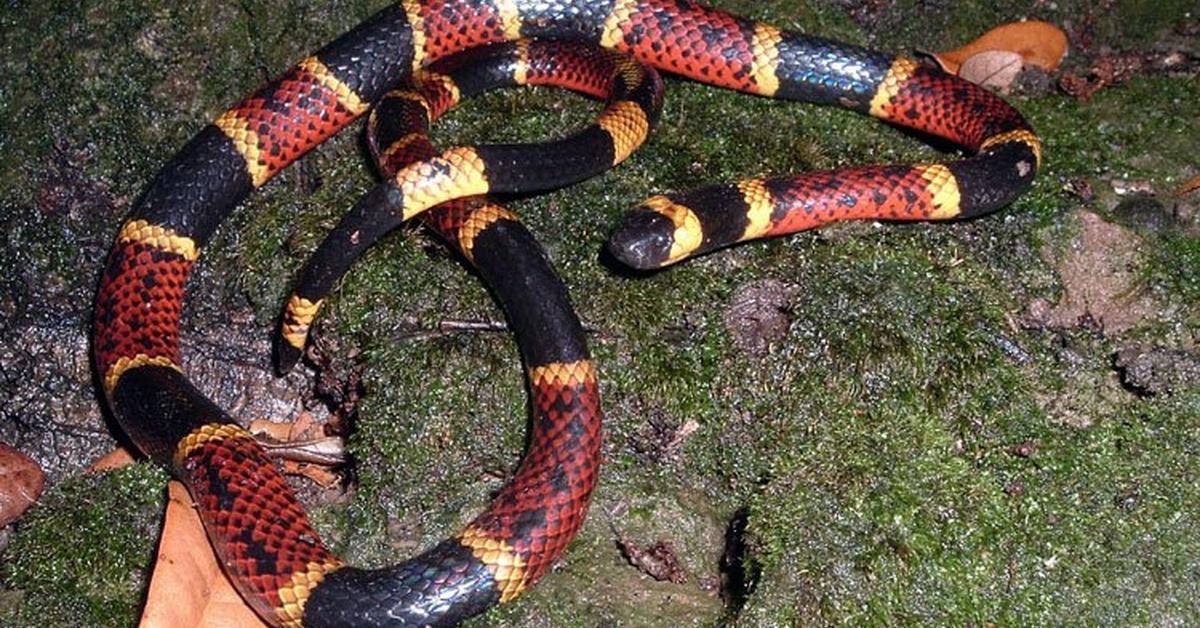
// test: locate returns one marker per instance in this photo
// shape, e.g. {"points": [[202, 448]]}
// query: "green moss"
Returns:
{"points": [[81, 558], [1144, 19], [1117, 135], [873, 446], [913, 522], [1172, 263]]}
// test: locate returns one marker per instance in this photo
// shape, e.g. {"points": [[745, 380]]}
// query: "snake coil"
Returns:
{"points": [[257, 527]]}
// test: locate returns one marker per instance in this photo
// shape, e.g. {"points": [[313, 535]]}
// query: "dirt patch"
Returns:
{"points": [[1186, 212], [1099, 276], [758, 315], [658, 560], [1145, 212], [1156, 371]]}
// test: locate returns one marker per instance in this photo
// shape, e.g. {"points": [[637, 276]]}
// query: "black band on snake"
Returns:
{"points": [[396, 134], [258, 529]]}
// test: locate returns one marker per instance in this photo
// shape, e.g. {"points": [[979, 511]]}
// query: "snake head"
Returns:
{"points": [[644, 239]]}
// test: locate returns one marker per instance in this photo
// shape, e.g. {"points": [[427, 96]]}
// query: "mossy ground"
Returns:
{"points": [[895, 462]]}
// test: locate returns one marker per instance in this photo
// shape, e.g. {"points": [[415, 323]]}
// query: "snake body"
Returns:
{"points": [[396, 134], [255, 524]]}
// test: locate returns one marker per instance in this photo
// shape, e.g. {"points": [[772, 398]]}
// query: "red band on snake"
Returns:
{"points": [[278, 562]]}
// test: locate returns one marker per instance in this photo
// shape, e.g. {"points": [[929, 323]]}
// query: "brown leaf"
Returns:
{"points": [[1038, 43], [659, 561], [278, 432], [1189, 186], [189, 589], [996, 69], [301, 441], [305, 426], [21, 482], [114, 459], [318, 474]]}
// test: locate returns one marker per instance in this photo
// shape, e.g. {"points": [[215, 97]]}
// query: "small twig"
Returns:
{"points": [[461, 325], [447, 327], [326, 450], [454, 326]]}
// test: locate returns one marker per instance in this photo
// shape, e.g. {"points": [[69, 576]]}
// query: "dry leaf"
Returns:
{"points": [[114, 459], [1189, 186], [996, 69], [21, 482], [305, 426], [278, 432], [316, 473], [1039, 43], [301, 441], [189, 589]]}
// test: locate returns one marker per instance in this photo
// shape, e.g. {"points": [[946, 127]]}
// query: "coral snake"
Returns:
{"points": [[254, 522]]}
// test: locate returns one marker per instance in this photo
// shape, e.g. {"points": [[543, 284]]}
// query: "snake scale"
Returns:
{"points": [[258, 529]]}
